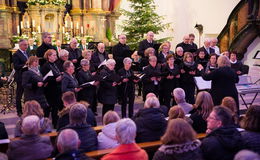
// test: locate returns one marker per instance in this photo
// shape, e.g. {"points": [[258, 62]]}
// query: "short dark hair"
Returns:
{"points": [[66, 65], [224, 115], [191, 35], [69, 97], [251, 121], [169, 56]]}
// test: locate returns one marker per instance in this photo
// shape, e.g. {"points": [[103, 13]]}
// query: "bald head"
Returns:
{"points": [[31, 125], [186, 39], [150, 36], [101, 47], [68, 139], [150, 95], [73, 43]]}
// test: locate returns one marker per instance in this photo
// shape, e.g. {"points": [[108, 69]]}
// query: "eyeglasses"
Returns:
{"points": [[212, 118]]}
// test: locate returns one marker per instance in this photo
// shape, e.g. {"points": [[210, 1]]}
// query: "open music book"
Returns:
{"points": [[49, 74], [202, 84]]}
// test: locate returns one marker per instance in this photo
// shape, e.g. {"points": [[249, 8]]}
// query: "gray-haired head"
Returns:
{"points": [[127, 60], [63, 53], [246, 155], [110, 62], [3, 156], [126, 131], [31, 125], [78, 114], [46, 37], [68, 139], [152, 102], [179, 95], [84, 62]]}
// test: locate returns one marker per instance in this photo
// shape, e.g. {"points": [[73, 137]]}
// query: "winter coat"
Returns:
{"points": [[252, 140], [107, 138], [72, 155]]}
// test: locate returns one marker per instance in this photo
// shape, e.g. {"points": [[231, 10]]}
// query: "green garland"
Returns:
{"points": [[47, 2]]}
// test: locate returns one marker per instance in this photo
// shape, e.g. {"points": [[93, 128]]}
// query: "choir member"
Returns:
{"points": [[236, 65], [145, 59], [147, 43], [213, 45], [63, 56], [194, 46], [212, 63], [201, 58], [207, 49], [99, 56], [83, 45], [179, 56], [74, 52], [185, 45], [163, 53]]}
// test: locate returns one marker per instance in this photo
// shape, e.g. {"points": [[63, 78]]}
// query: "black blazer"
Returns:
{"points": [[143, 45], [211, 50], [19, 61], [120, 51], [95, 61], [68, 83], [41, 51]]}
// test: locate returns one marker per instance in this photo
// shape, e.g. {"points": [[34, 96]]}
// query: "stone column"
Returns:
{"points": [[2, 2], [105, 5], [86, 5], [96, 5], [5, 26]]}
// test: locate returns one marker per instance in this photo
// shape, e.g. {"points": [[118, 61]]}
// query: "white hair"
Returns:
{"points": [[84, 62], [207, 40], [152, 102], [127, 59], [73, 40], [179, 48], [246, 155], [110, 62], [78, 114], [179, 94], [68, 139], [126, 131], [63, 52], [31, 125]]}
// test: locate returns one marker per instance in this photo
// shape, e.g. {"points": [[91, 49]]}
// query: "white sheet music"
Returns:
{"points": [[49, 74], [102, 63], [202, 84]]}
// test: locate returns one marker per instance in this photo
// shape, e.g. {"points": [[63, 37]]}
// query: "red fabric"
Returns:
{"points": [[127, 152]]}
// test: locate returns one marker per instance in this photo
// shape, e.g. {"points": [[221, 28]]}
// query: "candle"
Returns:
{"points": [[66, 24], [33, 23], [71, 25], [87, 25], [81, 29], [18, 30], [77, 26], [39, 29], [63, 30], [21, 24]]}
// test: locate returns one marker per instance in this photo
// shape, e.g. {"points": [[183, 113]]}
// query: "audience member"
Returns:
{"points": [[33, 108], [31, 145], [230, 103], [107, 137], [91, 119], [3, 156], [179, 142], [150, 121], [3, 132], [68, 145], [223, 140], [177, 112], [128, 149], [251, 124], [246, 155], [179, 97]]}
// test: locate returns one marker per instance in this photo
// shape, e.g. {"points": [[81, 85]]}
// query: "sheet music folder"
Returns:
{"points": [[202, 84]]}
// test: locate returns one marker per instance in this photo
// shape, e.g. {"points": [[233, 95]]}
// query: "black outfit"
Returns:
{"points": [[223, 84], [72, 155], [184, 151], [30, 81], [148, 84], [143, 45], [238, 66], [98, 58], [87, 136], [199, 124], [210, 67], [207, 51], [202, 61], [68, 83], [150, 123], [127, 91], [74, 54], [41, 51], [194, 47], [187, 81], [53, 90], [161, 58], [144, 62], [168, 85], [222, 143], [120, 51], [59, 64], [32, 51], [251, 140], [3, 133], [107, 94], [178, 60], [19, 60], [185, 46], [88, 93]]}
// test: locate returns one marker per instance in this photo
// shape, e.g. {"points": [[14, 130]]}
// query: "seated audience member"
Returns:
{"points": [[246, 155], [230, 103], [87, 136], [179, 142], [63, 57], [150, 121], [203, 106], [177, 112], [212, 63], [33, 108], [223, 140], [236, 65], [128, 149], [31, 146], [163, 108], [68, 144], [251, 124], [107, 137], [3, 132], [179, 97], [91, 119], [3, 156]]}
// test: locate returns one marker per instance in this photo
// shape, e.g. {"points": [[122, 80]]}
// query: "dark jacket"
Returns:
{"points": [[150, 123], [120, 51], [211, 50], [31, 89], [129, 86], [107, 94], [169, 84], [87, 136], [68, 83], [19, 61], [223, 84], [161, 59], [72, 155], [238, 66], [185, 46], [3, 133], [143, 45], [59, 64], [30, 147], [252, 140], [64, 118], [222, 143], [186, 151], [95, 61], [41, 51], [199, 124], [74, 54]]}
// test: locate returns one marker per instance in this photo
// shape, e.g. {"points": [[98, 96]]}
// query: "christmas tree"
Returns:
{"points": [[141, 19]]}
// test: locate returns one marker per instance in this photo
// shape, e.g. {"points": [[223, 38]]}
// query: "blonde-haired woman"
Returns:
{"points": [[107, 137], [223, 81], [178, 112], [179, 142], [203, 106], [230, 103], [33, 108]]}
